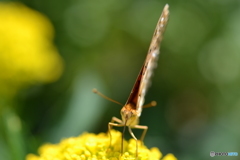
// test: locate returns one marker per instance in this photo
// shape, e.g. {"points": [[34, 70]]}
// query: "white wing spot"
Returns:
{"points": [[154, 54]]}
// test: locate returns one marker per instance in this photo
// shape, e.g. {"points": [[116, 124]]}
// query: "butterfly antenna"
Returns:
{"points": [[151, 104], [105, 97]]}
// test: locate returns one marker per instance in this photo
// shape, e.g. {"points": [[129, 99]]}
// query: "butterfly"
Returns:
{"points": [[132, 110]]}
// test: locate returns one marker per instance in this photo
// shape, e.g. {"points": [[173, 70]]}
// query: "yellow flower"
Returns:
{"points": [[27, 53], [90, 146]]}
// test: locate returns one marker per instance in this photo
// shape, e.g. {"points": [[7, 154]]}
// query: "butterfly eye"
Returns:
{"points": [[122, 111]]}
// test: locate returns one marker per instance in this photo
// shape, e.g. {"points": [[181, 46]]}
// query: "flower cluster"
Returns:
{"points": [[27, 53], [90, 146]]}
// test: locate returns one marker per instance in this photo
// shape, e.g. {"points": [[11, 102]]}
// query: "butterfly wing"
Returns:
{"points": [[137, 95]]}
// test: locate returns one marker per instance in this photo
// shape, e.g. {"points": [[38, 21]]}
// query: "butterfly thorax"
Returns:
{"points": [[129, 115]]}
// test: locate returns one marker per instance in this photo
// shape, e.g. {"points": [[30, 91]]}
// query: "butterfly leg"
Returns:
{"points": [[131, 132], [118, 124], [144, 128], [115, 119]]}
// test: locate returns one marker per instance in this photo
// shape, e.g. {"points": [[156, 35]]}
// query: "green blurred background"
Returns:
{"points": [[102, 44]]}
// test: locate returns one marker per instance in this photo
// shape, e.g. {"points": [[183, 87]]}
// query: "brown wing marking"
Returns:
{"points": [[134, 93]]}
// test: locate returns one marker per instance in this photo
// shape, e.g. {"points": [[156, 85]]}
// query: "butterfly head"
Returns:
{"points": [[129, 114]]}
